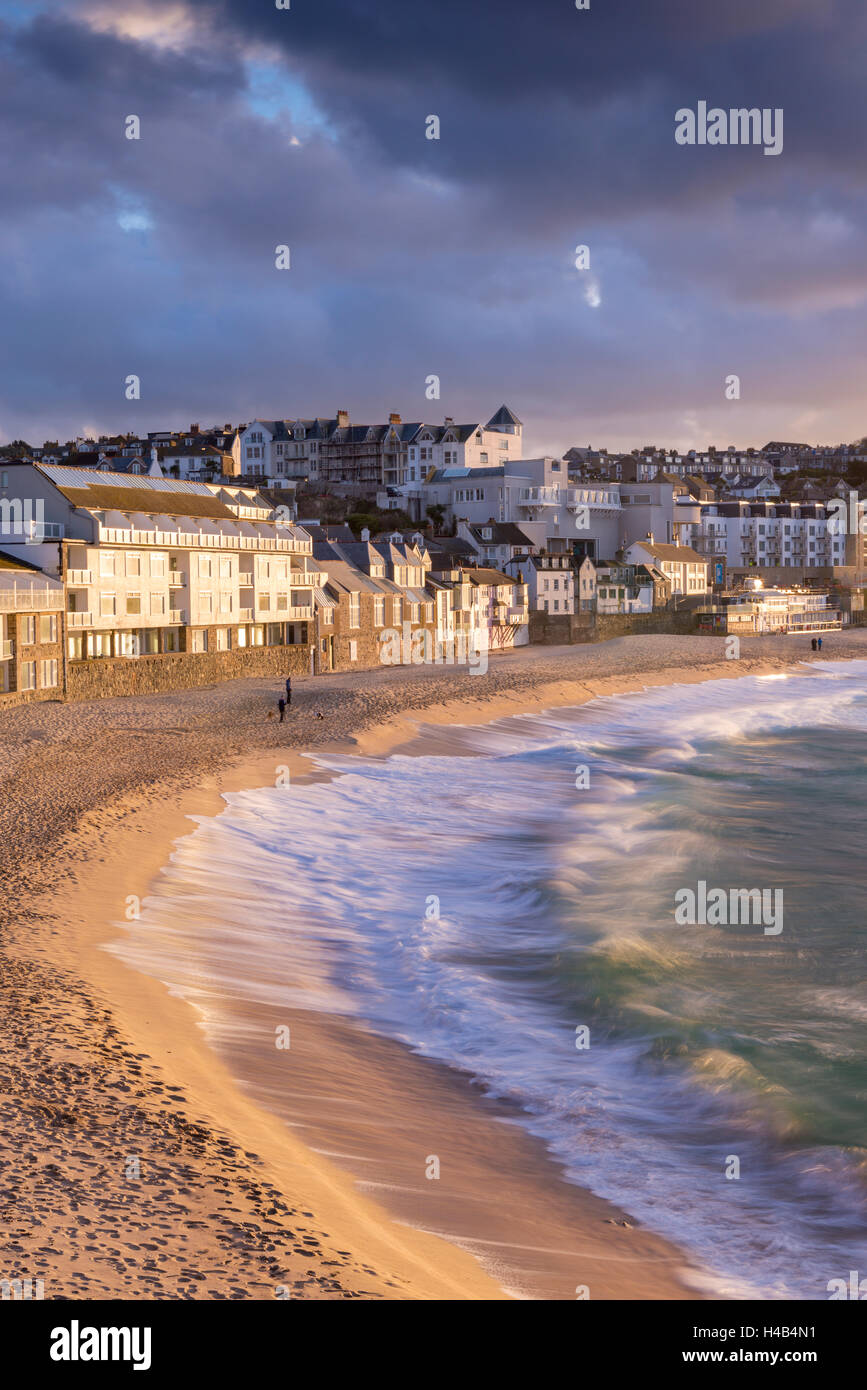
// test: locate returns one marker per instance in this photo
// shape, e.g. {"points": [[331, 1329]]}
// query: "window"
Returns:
{"points": [[107, 605], [106, 563], [397, 611], [205, 566], [99, 644], [158, 604], [27, 631], [353, 651], [326, 617], [171, 639], [257, 636], [48, 627], [158, 566], [414, 612], [242, 637], [200, 639], [48, 674], [206, 601], [379, 612], [133, 564], [28, 675], [133, 603], [263, 602], [75, 647], [225, 567], [355, 610]]}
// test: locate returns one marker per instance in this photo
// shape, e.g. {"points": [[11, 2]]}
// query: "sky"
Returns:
{"points": [[413, 257]]}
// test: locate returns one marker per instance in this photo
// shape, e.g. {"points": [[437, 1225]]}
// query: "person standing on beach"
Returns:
{"points": [[820, 643], [813, 643], [288, 690], [281, 705]]}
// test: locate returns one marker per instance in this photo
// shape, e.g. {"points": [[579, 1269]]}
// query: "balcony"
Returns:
{"points": [[245, 615], [79, 619], [29, 600], [79, 579], [540, 497], [176, 617], [177, 580]]}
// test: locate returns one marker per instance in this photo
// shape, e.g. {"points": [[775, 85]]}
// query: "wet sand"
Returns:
{"points": [[104, 1066]]}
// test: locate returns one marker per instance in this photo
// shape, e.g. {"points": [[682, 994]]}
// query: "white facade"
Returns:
{"points": [[686, 570], [798, 537]]}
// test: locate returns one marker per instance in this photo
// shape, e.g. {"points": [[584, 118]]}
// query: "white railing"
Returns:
{"points": [[79, 578], [175, 616], [17, 600], [79, 619], [177, 580], [245, 615], [116, 535]]}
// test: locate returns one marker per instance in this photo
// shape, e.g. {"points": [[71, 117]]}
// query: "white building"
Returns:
{"points": [[162, 565], [686, 570], [789, 535], [550, 583]]}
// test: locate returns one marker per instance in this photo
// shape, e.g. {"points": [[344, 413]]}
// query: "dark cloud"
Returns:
{"points": [[453, 256]]}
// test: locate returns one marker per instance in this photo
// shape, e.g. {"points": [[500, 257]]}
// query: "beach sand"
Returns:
{"points": [[134, 1161]]}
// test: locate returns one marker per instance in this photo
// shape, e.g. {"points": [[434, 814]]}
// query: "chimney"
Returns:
{"points": [[365, 533], [342, 419], [394, 419], [194, 429], [449, 420]]}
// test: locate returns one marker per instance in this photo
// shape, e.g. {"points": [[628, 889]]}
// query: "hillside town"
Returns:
{"points": [[304, 546]]}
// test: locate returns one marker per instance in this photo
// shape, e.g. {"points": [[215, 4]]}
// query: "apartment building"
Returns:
{"points": [[535, 495], [31, 618], [164, 568], [788, 535]]}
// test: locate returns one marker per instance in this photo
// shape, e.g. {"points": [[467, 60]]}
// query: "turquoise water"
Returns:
{"points": [[483, 908]]}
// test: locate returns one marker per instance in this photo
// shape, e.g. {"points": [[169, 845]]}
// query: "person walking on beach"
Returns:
{"points": [[820, 644], [813, 643], [288, 690], [281, 705]]}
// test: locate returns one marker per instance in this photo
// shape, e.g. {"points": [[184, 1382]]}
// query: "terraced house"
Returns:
{"points": [[199, 581]]}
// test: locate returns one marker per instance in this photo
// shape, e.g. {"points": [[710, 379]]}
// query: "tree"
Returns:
{"points": [[436, 511]]}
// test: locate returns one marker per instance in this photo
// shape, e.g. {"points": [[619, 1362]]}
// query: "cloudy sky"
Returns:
{"points": [[413, 257]]}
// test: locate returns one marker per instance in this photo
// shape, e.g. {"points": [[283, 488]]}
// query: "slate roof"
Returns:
{"points": [[504, 416]]}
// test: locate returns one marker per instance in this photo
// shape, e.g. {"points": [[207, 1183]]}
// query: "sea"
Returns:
{"points": [[504, 903]]}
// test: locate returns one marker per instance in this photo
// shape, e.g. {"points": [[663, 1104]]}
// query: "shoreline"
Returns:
{"points": [[123, 845]]}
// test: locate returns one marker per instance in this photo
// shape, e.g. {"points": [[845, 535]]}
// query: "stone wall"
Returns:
{"points": [[148, 675], [557, 629]]}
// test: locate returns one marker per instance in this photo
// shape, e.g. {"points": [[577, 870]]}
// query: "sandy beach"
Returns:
{"points": [[134, 1161]]}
